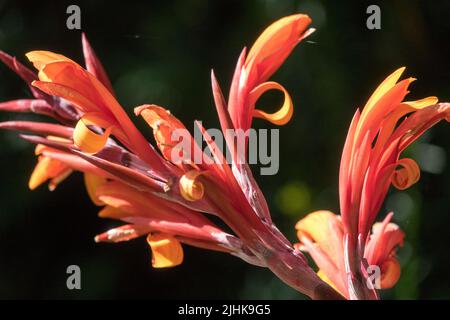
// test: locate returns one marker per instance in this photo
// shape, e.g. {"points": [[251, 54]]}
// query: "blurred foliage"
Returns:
{"points": [[162, 52]]}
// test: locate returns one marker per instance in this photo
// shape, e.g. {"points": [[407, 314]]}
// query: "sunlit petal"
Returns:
{"points": [[190, 187], [166, 250], [285, 112], [88, 140]]}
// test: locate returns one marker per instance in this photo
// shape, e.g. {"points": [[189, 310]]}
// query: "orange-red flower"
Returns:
{"points": [[167, 195], [321, 234], [157, 195], [42, 104], [75, 97], [249, 83], [342, 246], [253, 70]]}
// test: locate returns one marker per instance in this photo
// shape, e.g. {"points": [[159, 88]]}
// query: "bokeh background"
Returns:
{"points": [[162, 52]]}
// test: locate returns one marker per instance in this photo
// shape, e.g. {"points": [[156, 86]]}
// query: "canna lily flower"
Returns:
{"points": [[156, 194], [167, 195], [321, 234], [49, 105], [342, 245], [62, 77], [166, 224], [253, 70], [249, 83], [46, 169]]}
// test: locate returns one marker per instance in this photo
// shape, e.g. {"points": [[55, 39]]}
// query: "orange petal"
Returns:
{"points": [[112, 213], [190, 188], [407, 175], [390, 273], [322, 236], [56, 89], [422, 103], [153, 114], [39, 149], [275, 44], [86, 139], [40, 173], [85, 90], [384, 240], [164, 124], [373, 114], [92, 182], [45, 169], [166, 250], [383, 88], [70, 81], [324, 277], [319, 227], [280, 117], [40, 58]]}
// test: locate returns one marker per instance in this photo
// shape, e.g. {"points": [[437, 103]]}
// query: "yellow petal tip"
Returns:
{"points": [[166, 250]]}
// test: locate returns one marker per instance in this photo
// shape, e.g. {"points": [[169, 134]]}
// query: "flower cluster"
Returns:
{"points": [[171, 202]]}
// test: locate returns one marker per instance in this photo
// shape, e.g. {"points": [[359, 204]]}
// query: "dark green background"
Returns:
{"points": [[162, 52]]}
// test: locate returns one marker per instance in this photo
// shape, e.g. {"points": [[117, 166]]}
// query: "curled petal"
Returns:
{"points": [[190, 188], [407, 175], [87, 140], [166, 250], [280, 117]]}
